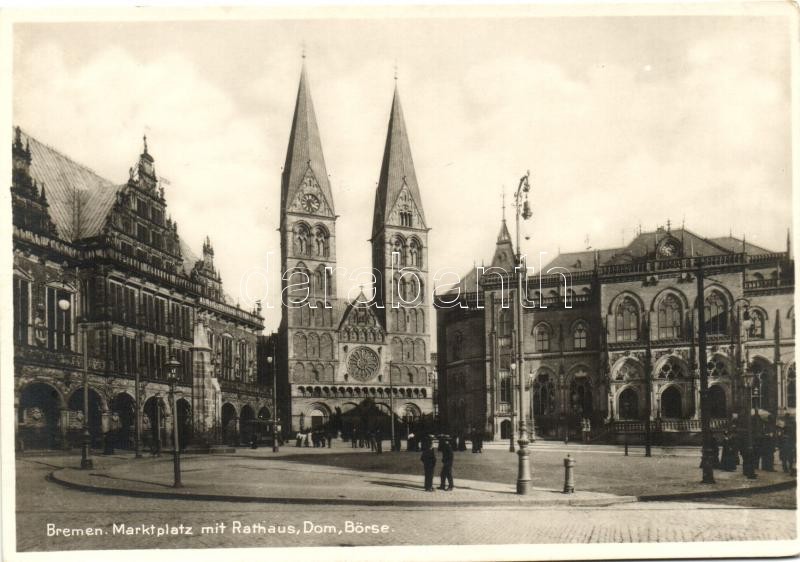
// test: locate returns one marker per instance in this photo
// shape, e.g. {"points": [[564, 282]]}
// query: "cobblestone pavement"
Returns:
{"points": [[639, 522]]}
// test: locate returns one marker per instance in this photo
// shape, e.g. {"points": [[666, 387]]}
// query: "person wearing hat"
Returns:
{"points": [[446, 476], [428, 459]]}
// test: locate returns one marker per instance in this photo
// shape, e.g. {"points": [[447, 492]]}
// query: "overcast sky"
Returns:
{"points": [[621, 120]]}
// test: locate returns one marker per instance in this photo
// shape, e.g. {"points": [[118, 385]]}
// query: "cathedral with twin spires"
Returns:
{"points": [[336, 356]]}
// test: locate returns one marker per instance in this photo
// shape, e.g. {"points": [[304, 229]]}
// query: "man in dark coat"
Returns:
{"points": [[446, 476], [728, 461], [428, 459]]}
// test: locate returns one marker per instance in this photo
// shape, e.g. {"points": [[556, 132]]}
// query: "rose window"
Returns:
{"points": [[716, 368], [670, 370], [363, 363]]}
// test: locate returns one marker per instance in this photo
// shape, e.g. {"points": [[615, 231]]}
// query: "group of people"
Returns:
{"points": [[428, 459], [316, 439], [371, 439], [771, 437]]}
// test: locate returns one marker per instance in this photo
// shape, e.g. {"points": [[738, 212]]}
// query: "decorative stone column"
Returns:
{"points": [[206, 392], [63, 426]]}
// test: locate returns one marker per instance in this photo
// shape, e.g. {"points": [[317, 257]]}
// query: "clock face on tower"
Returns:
{"points": [[310, 203], [668, 250]]}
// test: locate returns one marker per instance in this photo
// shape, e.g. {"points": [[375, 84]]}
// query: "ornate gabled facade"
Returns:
{"points": [[618, 342], [337, 354], [100, 267]]}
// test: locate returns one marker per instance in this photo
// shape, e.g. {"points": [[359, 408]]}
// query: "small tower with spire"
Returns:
{"points": [[146, 168]]}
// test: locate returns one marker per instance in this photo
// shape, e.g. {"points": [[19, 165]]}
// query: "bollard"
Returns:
{"points": [[569, 477]]}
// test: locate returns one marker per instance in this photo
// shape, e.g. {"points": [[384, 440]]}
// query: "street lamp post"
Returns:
{"points": [[272, 361], [748, 462], [522, 210], [86, 453], [708, 455], [391, 406], [172, 377], [137, 398], [746, 377], [512, 388]]}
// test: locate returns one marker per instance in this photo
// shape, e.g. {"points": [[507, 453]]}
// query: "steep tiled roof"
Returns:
{"points": [[79, 199], [644, 245], [735, 245], [305, 149], [397, 169]]}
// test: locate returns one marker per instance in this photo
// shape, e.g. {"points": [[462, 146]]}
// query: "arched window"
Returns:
{"points": [[671, 406], [791, 389], [716, 313], [319, 281], [405, 217], [580, 337], [415, 252], [544, 395], [321, 242], [627, 320], [756, 324], [301, 239], [542, 338], [716, 402], [580, 396], [398, 247], [670, 318], [629, 404]]}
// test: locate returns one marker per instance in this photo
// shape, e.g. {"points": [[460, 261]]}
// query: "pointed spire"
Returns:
{"points": [[304, 153], [144, 140], [397, 170], [503, 237]]}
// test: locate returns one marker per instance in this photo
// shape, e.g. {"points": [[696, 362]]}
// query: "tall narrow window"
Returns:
{"points": [[505, 323], [227, 358], [716, 313], [791, 389], [669, 318], [756, 325], [627, 320], [542, 339], [21, 310], [544, 395], [59, 322], [580, 337], [505, 388]]}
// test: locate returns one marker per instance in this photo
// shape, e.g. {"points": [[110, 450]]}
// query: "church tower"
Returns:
{"points": [[400, 257], [308, 256]]}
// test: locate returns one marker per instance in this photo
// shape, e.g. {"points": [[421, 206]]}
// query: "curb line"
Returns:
{"points": [[599, 502], [777, 486]]}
